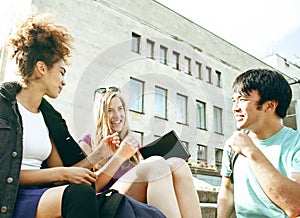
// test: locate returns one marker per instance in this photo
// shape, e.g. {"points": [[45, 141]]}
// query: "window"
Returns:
{"points": [[198, 70], [135, 42], [218, 120], [218, 75], [218, 157], [201, 114], [187, 67], [139, 136], [201, 153], [176, 60], [156, 137], [181, 112], [208, 74], [291, 116], [160, 102], [136, 102], [163, 54], [150, 49]]}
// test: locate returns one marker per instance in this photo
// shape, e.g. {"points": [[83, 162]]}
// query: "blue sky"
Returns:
{"points": [[259, 27], [289, 46]]}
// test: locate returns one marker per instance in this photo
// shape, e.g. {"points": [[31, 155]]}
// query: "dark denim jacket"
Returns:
{"points": [[11, 134]]}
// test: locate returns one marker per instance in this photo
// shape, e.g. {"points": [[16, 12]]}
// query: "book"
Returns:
{"points": [[168, 145]]}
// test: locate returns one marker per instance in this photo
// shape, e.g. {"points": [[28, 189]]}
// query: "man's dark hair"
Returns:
{"points": [[270, 85]]}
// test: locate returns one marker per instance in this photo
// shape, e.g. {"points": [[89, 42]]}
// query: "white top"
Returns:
{"points": [[36, 141]]}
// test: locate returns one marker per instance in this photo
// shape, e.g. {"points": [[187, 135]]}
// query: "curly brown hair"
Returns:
{"points": [[38, 38]]}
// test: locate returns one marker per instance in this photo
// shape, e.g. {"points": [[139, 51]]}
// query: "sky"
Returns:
{"points": [[8, 11], [259, 27]]}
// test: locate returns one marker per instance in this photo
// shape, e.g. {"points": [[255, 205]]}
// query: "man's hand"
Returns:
{"points": [[241, 143]]}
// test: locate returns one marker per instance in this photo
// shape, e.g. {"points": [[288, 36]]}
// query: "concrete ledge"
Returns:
{"points": [[207, 196], [205, 171], [208, 210]]}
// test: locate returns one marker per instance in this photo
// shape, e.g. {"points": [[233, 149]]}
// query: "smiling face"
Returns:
{"points": [[116, 114], [246, 110]]}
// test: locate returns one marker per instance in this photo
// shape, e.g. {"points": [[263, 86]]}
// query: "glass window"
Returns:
{"points": [[136, 95], [202, 153], [208, 74], [187, 67], [150, 49], [201, 114], [218, 75], [160, 102], [135, 42], [218, 120], [218, 158], [181, 112], [291, 116], [176, 60], [198, 70], [163, 54], [139, 136]]}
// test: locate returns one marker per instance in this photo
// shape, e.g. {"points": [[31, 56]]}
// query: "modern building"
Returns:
{"points": [[293, 71], [174, 74]]}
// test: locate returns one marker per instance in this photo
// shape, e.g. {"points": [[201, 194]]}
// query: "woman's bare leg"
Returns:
{"points": [[50, 203], [186, 193], [74, 200], [136, 190], [160, 192], [151, 182], [130, 185]]}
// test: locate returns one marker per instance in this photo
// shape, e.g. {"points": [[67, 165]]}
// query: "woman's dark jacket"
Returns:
{"points": [[11, 134]]}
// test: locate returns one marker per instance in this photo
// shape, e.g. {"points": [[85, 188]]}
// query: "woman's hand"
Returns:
{"points": [[78, 175], [128, 147], [105, 149], [110, 143]]}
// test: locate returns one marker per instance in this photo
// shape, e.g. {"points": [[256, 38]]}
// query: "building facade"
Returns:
{"points": [[174, 74], [293, 71]]}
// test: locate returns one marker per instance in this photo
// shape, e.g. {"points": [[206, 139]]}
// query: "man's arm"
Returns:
{"points": [[225, 199], [282, 191]]}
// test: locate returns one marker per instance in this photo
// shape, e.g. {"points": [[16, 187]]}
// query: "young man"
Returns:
{"points": [[267, 169]]}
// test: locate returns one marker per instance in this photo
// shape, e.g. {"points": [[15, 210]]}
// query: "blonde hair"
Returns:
{"points": [[103, 128]]}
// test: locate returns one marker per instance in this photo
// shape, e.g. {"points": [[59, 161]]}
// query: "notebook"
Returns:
{"points": [[168, 145]]}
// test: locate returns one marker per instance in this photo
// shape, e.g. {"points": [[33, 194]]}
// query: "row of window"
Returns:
{"points": [[137, 105], [161, 106], [203, 74]]}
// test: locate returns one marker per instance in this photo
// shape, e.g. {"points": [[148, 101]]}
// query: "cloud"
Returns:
{"points": [[253, 26]]}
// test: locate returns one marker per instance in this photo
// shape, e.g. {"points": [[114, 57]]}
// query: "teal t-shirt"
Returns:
{"points": [[283, 151]]}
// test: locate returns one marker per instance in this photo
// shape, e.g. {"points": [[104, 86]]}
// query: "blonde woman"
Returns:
{"points": [[165, 184]]}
